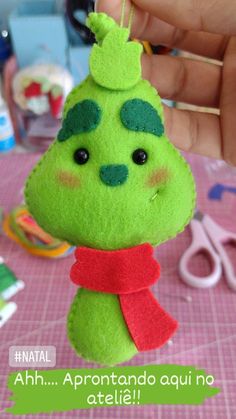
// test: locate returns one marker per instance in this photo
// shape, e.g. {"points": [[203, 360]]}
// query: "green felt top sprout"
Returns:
{"points": [[112, 182], [107, 70]]}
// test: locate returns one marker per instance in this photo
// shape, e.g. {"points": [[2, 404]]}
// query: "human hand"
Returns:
{"points": [[206, 28]]}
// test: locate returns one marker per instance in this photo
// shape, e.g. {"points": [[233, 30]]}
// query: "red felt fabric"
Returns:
{"points": [[149, 325], [34, 89], [56, 104], [128, 273], [116, 272]]}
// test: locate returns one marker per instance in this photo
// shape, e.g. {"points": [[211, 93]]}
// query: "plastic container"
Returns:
{"points": [[79, 62], [38, 33], [7, 138]]}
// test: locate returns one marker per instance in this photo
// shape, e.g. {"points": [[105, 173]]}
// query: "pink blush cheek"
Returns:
{"points": [[158, 177], [67, 179]]}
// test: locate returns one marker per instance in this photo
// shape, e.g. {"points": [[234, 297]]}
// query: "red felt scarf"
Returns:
{"points": [[128, 273]]}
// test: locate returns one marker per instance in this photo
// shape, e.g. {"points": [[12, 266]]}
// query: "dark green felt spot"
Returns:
{"points": [[114, 174], [139, 115], [85, 116]]}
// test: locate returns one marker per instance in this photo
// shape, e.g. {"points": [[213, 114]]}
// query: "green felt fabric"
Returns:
{"points": [[100, 24], [94, 214], [114, 174], [97, 330], [139, 115], [103, 61], [76, 203], [82, 117]]}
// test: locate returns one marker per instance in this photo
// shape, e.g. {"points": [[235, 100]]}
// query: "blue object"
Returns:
{"points": [[38, 33], [7, 139], [216, 192], [7, 144], [79, 62], [3, 121], [5, 46]]}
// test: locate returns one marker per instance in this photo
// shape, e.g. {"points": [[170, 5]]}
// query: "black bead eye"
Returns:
{"points": [[139, 156], [81, 156]]}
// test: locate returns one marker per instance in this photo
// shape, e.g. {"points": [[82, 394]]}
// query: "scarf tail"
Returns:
{"points": [[150, 326]]}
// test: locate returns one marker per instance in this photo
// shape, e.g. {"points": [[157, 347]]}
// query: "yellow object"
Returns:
{"points": [[22, 228]]}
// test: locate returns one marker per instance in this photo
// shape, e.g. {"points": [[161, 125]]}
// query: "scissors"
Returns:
{"points": [[209, 237]]}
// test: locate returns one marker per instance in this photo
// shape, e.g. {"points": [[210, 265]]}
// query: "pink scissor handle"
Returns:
{"points": [[200, 242], [220, 237]]}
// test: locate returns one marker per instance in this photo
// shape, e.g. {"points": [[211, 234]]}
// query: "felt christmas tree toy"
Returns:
{"points": [[113, 185], [41, 88]]}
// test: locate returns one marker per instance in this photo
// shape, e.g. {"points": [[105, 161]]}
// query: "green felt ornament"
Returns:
{"points": [[111, 180]]}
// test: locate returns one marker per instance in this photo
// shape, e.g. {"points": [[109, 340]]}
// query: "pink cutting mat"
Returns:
{"points": [[207, 333]]}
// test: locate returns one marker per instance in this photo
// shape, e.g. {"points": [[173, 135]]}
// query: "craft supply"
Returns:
{"points": [[6, 311], [20, 226], [208, 237], [114, 185], [217, 191], [9, 283], [186, 298], [7, 139], [42, 88], [155, 49]]}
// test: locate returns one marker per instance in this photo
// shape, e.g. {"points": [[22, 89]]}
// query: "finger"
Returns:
{"points": [[184, 80], [156, 31], [228, 104], [194, 132], [216, 16]]}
